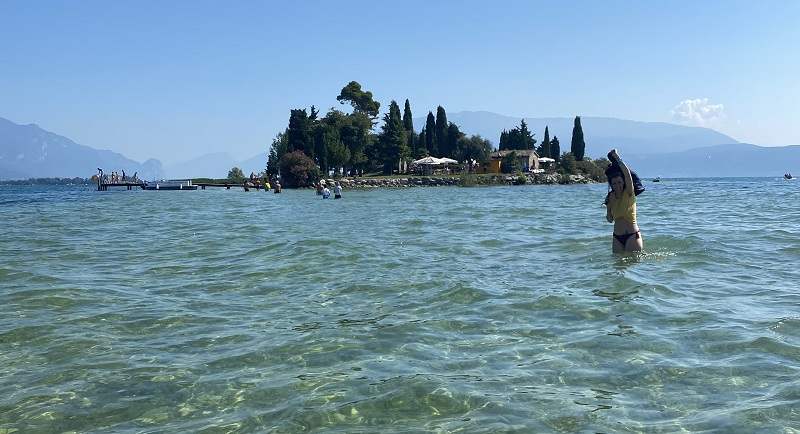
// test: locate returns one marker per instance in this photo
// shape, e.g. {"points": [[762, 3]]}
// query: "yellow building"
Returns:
{"points": [[527, 158]]}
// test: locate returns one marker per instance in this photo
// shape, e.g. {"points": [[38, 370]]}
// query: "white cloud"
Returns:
{"points": [[698, 112]]}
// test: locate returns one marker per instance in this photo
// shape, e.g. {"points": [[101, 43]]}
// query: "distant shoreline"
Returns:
{"points": [[368, 182]]}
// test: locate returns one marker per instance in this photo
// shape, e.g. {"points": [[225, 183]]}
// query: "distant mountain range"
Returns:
{"points": [[600, 134], [651, 148], [216, 165], [27, 151], [734, 159]]}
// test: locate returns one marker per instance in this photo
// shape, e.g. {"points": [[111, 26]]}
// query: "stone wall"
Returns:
{"points": [[461, 180]]}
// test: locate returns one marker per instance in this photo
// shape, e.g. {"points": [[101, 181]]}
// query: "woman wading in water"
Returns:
{"points": [[621, 207]]}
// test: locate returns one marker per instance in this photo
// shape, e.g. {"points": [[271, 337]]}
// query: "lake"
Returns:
{"points": [[447, 309]]}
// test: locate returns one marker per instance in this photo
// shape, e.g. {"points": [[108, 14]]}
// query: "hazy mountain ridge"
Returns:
{"points": [[215, 165], [28, 151], [600, 133], [729, 160], [652, 148]]}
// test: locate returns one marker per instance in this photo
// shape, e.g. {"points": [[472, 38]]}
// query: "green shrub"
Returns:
{"points": [[567, 163], [509, 163], [236, 175], [468, 180], [298, 170], [594, 169]]}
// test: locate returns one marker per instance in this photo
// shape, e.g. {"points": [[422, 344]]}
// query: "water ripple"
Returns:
{"points": [[492, 309]]}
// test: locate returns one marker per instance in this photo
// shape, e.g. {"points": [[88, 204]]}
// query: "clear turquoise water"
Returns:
{"points": [[496, 309]]}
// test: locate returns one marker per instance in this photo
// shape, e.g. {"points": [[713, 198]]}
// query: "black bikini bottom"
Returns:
{"points": [[624, 237]]}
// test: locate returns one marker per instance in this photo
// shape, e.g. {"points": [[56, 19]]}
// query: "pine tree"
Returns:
{"points": [[578, 146], [441, 129], [555, 149], [430, 134], [361, 101], [503, 145], [526, 138]]}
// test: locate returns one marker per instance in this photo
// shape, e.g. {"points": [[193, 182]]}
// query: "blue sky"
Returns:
{"points": [[178, 79]]}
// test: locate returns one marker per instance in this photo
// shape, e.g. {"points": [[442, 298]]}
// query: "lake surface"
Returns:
{"points": [[488, 309]]}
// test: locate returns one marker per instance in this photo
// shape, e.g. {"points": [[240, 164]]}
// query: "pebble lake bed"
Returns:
{"points": [[446, 309]]}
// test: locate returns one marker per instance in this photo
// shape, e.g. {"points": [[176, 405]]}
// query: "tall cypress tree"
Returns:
{"points": [[298, 134], [408, 124], [430, 134], [420, 149], [544, 149], [578, 146], [393, 147], [503, 141], [441, 129], [555, 149]]}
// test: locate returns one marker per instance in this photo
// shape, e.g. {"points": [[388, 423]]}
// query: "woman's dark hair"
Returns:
{"points": [[613, 171]]}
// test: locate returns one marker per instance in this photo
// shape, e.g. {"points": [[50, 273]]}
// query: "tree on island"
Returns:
{"points": [[510, 163], [276, 151], [555, 149], [440, 136], [545, 148], [236, 175], [298, 170], [430, 134], [408, 124], [298, 134], [356, 134], [568, 163], [392, 145], [518, 138], [473, 148], [325, 136], [329, 134], [454, 135], [360, 100], [528, 142], [578, 146], [343, 142], [420, 149]]}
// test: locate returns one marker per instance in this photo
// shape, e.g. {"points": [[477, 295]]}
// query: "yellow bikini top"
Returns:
{"points": [[623, 208]]}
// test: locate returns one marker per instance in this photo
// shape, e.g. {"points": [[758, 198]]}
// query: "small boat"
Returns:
{"points": [[657, 179], [170, 184], [788, 176]]}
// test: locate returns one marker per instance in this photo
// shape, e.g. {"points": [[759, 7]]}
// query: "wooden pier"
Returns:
{"points": [[228, 186], [130, 185], [103, 186]]}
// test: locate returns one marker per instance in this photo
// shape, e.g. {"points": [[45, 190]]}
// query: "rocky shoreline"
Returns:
{"points": [[461, 180]]}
